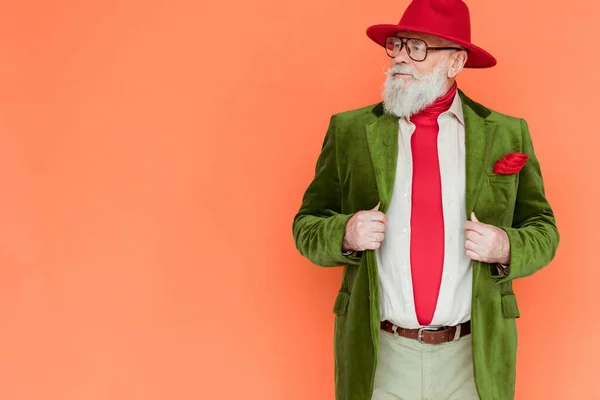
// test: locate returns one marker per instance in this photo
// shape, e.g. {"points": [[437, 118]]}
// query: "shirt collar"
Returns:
{"points": [[456, 109]]}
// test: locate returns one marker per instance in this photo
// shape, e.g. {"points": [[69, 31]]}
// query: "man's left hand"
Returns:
{"points": [[486, 243]]}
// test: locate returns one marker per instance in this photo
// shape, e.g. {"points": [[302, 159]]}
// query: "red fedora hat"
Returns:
{"points": [[448, 19]]}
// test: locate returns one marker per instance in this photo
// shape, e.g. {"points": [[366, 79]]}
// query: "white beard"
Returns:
{"points": [[404, 99]]}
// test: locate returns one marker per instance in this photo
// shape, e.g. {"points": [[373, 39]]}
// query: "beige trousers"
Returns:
{"points": [[410, 370]]}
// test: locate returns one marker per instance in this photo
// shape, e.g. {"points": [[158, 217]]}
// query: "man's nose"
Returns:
{"points": [[402, 56]]}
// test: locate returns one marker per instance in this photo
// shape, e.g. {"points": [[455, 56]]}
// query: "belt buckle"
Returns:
{"points": [[425, 328]]}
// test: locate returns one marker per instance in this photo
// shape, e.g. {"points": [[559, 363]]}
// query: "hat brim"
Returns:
{"points": [[477, 58]]}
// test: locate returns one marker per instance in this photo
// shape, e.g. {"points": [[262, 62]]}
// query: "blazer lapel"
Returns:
{"points": [[479, 136], [382, 137]]}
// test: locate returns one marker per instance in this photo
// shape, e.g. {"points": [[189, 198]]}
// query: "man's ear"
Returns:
{"points": [[457, 64]]}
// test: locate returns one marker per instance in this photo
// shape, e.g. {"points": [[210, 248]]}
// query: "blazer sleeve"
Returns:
{"points": [[319, 225], [533, 236]]}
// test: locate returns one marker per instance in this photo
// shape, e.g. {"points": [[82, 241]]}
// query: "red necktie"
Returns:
{"points": [[427, 218]]}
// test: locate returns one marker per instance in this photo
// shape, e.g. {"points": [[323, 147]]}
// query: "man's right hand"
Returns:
{"points": [[365, 230]]}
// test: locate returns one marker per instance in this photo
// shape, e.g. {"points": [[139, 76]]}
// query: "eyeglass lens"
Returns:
{"points": [[416, 48]]}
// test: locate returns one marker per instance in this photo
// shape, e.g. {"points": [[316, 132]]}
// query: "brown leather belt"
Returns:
{"points": [[429, 335]]}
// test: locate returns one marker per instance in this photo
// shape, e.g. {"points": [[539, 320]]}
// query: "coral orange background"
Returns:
{"points": [[153, 154]]}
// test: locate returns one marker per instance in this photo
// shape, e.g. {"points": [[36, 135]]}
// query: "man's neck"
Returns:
{"points": [[448, 86]]}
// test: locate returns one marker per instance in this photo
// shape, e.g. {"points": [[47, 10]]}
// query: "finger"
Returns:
{"points": [[474, 217], [472, 255], [473, 236], [378, 226], [469, 236], [377, 216], [475, 227], [377, 237], [376, 208], [372, 245], [471, 245]]}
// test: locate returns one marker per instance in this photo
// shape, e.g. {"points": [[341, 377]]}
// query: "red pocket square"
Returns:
{"points": [[510, 163]]}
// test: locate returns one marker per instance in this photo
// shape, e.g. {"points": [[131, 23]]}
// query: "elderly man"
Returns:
{"points": [[434, 205]]}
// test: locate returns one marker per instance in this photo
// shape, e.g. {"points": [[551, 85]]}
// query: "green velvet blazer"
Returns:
{"points": [[356, 169]]}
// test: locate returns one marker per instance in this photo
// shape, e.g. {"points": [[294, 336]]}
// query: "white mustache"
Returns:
{"points": [[401, 69]]}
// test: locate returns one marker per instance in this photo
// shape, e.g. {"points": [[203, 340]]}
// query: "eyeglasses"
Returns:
{"points": [[415, 48]]}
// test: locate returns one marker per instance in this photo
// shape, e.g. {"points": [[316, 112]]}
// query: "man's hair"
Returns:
{"points": [[449, 43]]}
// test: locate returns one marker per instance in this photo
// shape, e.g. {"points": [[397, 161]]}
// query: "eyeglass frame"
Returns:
{"points": [[404, 41]]}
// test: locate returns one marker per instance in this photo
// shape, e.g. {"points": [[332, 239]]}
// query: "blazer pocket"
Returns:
{"points": [[510, 308], [502, 178], [341, 303]]}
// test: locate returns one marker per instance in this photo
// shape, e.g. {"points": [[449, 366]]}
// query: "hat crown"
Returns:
{"points": [[447, 17]]}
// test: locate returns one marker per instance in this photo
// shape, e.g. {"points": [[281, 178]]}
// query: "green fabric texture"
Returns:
{"points": [[356, 169]]}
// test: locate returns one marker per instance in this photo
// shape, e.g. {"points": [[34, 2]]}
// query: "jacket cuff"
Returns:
{"points": [[498, 271], [337, 229]]}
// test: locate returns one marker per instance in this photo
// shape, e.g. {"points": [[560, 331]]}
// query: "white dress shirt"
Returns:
{"points": [[393, 257]]}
